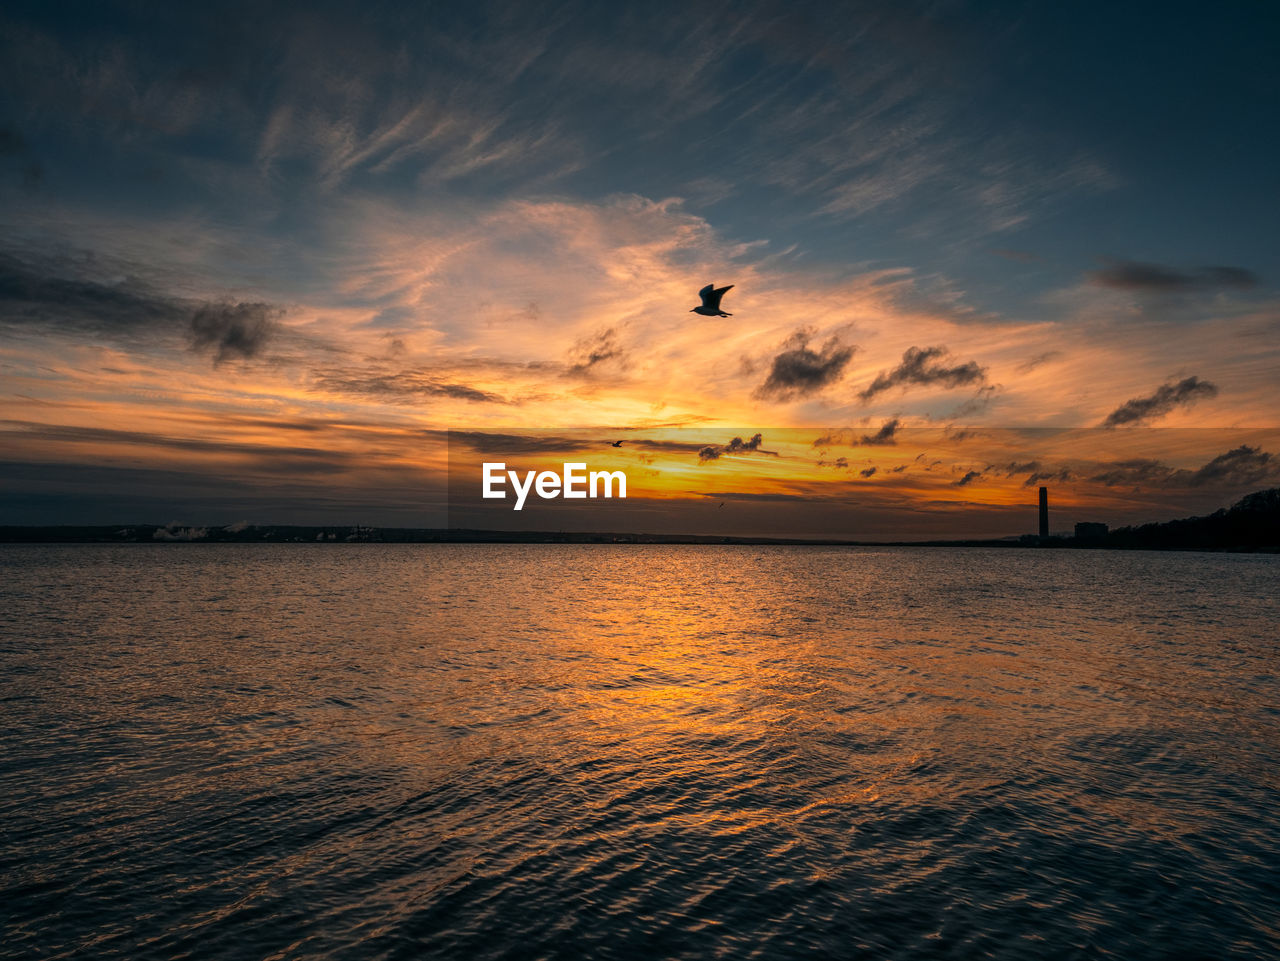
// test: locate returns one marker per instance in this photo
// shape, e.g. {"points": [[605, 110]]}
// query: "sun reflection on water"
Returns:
{"points": [[609, 749]]}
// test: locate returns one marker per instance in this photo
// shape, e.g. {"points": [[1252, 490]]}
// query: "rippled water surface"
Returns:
{"points": [[434, 751]]}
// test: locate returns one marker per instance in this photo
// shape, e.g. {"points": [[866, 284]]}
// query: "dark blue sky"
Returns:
{"points": [[891, 134]]}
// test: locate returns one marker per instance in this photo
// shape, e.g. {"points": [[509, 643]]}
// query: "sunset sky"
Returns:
{"points": [[256, 262]]}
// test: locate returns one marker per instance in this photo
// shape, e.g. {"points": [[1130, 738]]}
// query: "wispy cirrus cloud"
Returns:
{"points": [[594, 351], [400, 385], [508, 301], [1039, 360]]}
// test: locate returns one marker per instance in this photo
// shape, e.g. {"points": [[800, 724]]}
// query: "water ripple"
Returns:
{"points": [[229, 751]]}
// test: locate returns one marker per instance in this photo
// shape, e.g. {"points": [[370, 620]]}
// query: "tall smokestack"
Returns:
{"points": [[1044, 512]]}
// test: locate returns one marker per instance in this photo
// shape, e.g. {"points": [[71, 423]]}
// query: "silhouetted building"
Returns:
{"points": [[1044, 512], [1090, 531]]}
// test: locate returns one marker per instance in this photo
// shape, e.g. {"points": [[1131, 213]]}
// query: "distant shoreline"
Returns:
{"points": [[285, 534], [1124, 539], [1251, 525]]}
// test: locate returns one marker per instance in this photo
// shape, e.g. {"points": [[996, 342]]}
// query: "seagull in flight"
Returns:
{"points": [[711, 295], [616, 443]]}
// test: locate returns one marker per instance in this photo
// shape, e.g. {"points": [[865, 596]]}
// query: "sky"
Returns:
{"points": [[256, 262]]}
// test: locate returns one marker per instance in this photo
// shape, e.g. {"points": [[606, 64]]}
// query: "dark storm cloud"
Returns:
{"points": [[1157, 278], [798, 370], [129, 309], [735, 446], [35, 297], [1239, 466], [590, 352], [923, 366], [403, 385], [1165, 399], [230, 330]]}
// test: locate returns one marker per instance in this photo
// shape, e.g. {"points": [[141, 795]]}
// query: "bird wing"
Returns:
{"points": [[707, 293], [720, 292]]}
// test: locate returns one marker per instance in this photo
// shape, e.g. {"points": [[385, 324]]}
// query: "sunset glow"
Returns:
{"points": [[290, 295]]}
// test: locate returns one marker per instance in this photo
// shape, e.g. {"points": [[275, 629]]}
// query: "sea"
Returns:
{"points": [[433, 751]]}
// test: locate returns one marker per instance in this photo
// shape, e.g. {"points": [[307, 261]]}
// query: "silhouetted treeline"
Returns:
{"points": [[1251, 524]]}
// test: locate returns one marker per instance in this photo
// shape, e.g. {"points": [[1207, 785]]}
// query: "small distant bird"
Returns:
{"points": [[616, 443], [711, 295]]}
